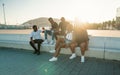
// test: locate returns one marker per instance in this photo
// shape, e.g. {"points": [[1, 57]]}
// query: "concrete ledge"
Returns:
{"points": [[99, 47], [15, 45], [112, 43], [112, 54], [95, 52], [92, 52], [96, 42]]}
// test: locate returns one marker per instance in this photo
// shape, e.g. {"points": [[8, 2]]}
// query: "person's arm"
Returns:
{"points": [[54, 26], [31, 37], [59, 26]]}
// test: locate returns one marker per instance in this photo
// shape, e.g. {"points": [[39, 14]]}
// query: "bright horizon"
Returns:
{"points": [[20, 11]]}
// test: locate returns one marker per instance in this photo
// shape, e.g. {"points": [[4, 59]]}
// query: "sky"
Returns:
{"points": [[20, 11]]}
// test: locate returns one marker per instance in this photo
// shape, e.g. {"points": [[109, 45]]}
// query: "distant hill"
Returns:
{"points": [[41, 22]]}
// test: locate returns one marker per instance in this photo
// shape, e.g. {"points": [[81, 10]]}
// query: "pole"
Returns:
{"points": [[104, 47], [4, 13]]}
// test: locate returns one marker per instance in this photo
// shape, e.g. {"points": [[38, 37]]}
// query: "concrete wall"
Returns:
{"points": [[99, 47]]}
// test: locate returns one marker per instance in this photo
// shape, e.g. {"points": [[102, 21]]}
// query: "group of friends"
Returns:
{"points": [[66, 36]]}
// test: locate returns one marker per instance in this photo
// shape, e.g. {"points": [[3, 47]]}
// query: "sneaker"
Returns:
{"points": [[38, 53], [52, 51], [53, 59], [52, 42], [45, 42], [35, 52], [72, 56], [82, 59]]}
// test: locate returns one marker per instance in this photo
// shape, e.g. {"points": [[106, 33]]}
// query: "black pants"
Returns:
{"points": [[38, 41]]}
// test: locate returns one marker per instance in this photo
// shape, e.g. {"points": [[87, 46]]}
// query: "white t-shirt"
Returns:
{"points": [[69, 36], [36, 35]]}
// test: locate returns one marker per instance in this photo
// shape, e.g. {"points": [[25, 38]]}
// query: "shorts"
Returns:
{"points": [[60, 36], [67, 41]]}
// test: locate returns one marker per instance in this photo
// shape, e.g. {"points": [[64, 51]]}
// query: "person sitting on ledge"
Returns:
{"points": [[76, 38], [81, 40], [62, 32], [52, 32], [35, 37], [64, 43]]}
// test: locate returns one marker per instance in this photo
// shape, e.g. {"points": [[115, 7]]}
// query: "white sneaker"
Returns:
{"points": [[72, 56], [45, 42], [52, 51], [82, 59], [52, 42], [53, 59]]}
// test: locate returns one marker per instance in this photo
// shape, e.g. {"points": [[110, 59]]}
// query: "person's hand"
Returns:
{"points": [[32, 41], [59, 32], [43, 29], [52, 31], [51, 28]]}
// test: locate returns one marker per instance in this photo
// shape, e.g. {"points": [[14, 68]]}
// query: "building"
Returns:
{"points": [[118, 18]]}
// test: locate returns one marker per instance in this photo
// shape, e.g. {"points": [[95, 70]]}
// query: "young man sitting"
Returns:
{"points": [[52, 32], [64, 43], [35, 37]]}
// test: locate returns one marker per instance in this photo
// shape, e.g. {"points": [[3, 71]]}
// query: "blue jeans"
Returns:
{"points": [[49, 32]]}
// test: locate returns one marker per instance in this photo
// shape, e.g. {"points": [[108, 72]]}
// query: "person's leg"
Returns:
{"points": [[56, 34], [58, 41], [52, 37], [54, 58], [39, 45], [82, 47], [57, 51], [45, 35], [86, 45], [56, 45], [33, 45], [72, 48], [52, 34]]}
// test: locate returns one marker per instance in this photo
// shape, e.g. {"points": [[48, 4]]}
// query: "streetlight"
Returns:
{"points": [[4, 13]]}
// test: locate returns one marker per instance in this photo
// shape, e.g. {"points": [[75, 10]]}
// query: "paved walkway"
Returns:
{"points": [[23, 62]]}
